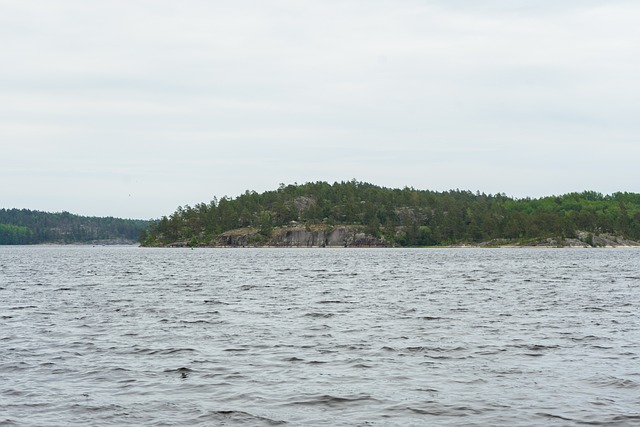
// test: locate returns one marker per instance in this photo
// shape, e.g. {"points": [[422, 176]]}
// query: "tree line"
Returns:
{"points": [[403, 217], [24, 227]]}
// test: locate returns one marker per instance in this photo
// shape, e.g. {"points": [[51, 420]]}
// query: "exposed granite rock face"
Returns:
{"points": [[583, 239], [237, 238], [301, 203], [604, 240], [296, 237], [336, 237]]}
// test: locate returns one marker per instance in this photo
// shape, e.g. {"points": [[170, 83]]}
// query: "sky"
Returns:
{"points": [[133, 108]]}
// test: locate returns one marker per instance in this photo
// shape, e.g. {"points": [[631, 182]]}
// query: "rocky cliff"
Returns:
{"points": [[294, 237], [323, 237]]}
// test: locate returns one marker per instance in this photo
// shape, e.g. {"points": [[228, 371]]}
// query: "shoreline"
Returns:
{"points": [[462, 246]]}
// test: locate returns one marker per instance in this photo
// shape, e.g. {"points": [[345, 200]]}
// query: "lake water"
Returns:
{"points": [[319, 337]]}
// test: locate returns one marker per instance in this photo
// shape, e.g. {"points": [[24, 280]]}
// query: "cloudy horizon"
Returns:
{"points": [[130, 109]]}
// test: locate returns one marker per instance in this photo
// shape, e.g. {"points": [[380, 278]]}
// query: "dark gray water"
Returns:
{"points": [[452, 337]]}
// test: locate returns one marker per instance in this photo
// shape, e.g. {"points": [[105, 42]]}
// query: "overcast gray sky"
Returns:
{"points": [[131, 108]]}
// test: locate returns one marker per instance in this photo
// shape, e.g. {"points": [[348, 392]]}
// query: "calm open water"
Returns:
{"points": [[445, 337]]}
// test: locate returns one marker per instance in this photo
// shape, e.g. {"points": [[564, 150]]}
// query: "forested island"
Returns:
{"points": [[358, 214], [27, 227]]}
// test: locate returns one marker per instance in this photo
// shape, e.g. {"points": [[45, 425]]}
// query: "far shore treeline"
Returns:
{"points": [[397, 217], [27, 227]]}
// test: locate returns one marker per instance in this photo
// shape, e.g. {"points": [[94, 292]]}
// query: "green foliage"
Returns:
{"points": [[406, 217], [15, 235], [24, 226], [266, 226]]}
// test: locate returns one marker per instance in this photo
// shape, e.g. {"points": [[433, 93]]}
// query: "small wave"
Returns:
{"points": [[316, 314], [601, 401], [428, 390], [588, 338], [362, 366], [215, 301], [200, 320], [435, 409], [536, 347], [489, 352], [334, 401], [166, 351], [10, 367], [611, 381], [446, 350], [242, 417], [318, 328], [179, 370], [95, 408], [601, 347], [594, 309], [559, 417], [182, 372], [620, 418]]}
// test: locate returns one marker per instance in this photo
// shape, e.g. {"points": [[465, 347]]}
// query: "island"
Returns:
{"points": [[359, 214]]}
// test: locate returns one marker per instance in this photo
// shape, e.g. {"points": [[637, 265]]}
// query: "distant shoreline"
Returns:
{"points": [[511, 246], [298, 238]]}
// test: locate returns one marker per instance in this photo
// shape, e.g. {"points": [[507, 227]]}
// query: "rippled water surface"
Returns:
{"points": [[451, 337]]}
